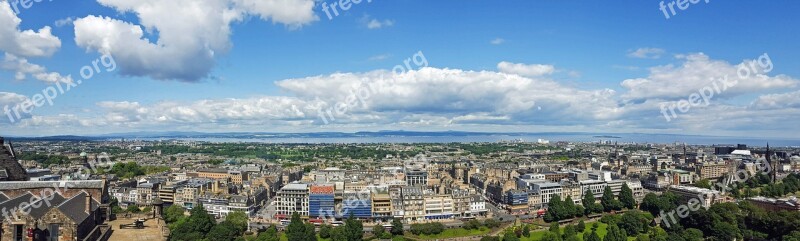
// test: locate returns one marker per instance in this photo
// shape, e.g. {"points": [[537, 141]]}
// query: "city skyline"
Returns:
{"points": [[712, 68]]}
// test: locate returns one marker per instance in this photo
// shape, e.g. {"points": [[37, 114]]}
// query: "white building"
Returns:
{"points": [[292, 198]]}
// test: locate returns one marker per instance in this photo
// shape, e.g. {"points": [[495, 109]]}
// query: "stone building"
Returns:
{"points": [[65, 210], [10, 169]]}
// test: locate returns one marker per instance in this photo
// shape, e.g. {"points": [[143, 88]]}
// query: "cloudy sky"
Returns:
{"points": [[297, 66]]}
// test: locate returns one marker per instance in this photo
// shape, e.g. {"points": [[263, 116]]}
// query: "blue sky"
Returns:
{"points": [[277, 63]]}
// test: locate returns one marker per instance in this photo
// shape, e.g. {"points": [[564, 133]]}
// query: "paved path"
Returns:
{"points": [[151, 231]]}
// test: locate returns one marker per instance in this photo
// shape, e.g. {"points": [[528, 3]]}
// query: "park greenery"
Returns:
{"points": [[562, 210]]}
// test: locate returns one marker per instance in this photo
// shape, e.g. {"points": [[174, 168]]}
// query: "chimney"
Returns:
{"points": [[88, 203]]}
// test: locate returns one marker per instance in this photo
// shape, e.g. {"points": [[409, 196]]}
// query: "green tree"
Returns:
{"points": [[133, 208], [174, 213], [354, 229], [569, 231], [472, 224], [271, 234], [397, 227], [310, 233], [196, 226], [615, 234], [581, 226], [555, 209], [378, 230], [591, 236], [626, 197], [325, 231], [224, 231], [554, 227], [339, 233], [239, 219], [491, 223], [692, 234], [510, 236], [569, 208], [296, 229], [526, 231], [589, 202], [608, 201], [550, 236]]}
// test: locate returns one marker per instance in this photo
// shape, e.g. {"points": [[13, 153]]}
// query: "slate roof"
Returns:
{"points": [[75, 207], [44, 205], [80, 184], [15, 202]]}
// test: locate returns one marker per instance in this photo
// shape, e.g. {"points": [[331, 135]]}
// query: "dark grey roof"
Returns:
{"points": [[75, 207], [44, 205], [81, 184], [3, 197], [15, 202]]}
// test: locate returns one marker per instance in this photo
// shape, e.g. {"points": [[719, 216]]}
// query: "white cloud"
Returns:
{"points": [[699, 71], [452, 93], [497, 41], [188, 40], [64, 22], [7, 103], [22, 68], [444, 99], [646, 53], [26, 43], [525, 69], [777, 101], [374, 23]]}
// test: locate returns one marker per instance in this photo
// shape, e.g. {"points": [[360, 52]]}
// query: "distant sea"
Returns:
{"points": [[552, 137]]}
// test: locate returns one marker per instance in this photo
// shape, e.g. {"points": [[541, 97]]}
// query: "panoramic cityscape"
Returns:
{"points": [[359, 120]]}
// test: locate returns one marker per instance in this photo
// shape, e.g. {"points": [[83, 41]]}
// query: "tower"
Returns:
{"points": [[685, 157], [774, 165]]}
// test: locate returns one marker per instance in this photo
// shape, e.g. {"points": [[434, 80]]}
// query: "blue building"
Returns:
{"points": [[515, 197], [321, 201], [359, 204]]}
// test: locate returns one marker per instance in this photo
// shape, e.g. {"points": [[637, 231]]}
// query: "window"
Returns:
{"points": [[54, 232], [18, 233]]}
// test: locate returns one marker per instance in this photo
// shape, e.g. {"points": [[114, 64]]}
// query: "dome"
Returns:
{"points": [[157, 201], [83, 154]]}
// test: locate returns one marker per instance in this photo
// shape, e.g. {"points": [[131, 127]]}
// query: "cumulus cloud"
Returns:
{"points": [[698, 71], [777, 101], [374, 23], [269, 109], [20, 44], [22, 68], [525, 69], [442, 98], [7, 102], [64, 22], [188, 40], [26, 43], [646, 53], [454, 93]]}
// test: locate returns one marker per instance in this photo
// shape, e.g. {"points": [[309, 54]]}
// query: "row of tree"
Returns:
{"points": [[200, 225], [558, 210]]}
